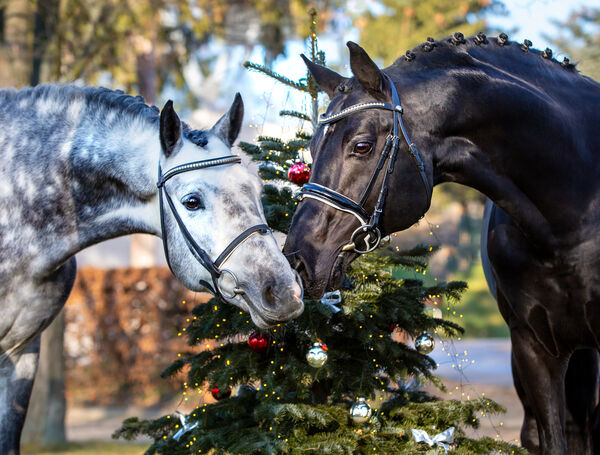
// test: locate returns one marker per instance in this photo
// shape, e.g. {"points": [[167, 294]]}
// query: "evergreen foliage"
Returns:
{"points": [[281, 404]]}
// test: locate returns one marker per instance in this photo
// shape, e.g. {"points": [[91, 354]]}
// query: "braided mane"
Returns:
{"points": [[98, 100], [457, 50]]}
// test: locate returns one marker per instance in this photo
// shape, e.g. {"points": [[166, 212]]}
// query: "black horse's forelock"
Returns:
{"points": [[457, 43]]}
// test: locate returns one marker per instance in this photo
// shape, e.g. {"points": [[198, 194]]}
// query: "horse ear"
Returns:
{"points": [[228, 127], [364, 69], [327, 80], [170, 129]]}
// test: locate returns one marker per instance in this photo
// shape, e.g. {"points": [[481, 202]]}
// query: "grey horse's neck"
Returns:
{"points": [[77, 166]]}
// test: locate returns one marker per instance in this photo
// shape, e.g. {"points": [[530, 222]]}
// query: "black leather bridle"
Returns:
{"points": [[213, 267], [369, 223]]}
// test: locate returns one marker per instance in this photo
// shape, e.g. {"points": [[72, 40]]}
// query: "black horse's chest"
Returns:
{"points": [[557, 296]]}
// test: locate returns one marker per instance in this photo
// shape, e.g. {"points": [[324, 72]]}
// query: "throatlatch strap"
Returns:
{"points": [[200, 254]]}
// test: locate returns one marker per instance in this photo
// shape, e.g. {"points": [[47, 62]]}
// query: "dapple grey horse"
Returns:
{"points": [[79, 166]]}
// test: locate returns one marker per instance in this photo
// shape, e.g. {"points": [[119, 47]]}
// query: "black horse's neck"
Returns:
{"points": [[513, 125]]}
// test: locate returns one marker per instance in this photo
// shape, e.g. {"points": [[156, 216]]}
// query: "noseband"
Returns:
{"points": [[369, 223], [213, 267]]}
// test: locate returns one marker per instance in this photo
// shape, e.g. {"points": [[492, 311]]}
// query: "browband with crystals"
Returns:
{"points": [[198, 165], [323, 120]]}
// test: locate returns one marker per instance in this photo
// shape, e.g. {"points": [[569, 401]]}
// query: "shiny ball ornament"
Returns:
{"points": [[258, 342], [299, 173], [360, 411], [317, 355], [424, 343], [219, 394]]}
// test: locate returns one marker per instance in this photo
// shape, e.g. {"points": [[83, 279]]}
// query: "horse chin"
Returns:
{"points": [[334, 277], [260, 322], [262, 318]]}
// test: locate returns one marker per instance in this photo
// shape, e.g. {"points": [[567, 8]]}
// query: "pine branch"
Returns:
{"points": [[278, 77], [295, 114]]}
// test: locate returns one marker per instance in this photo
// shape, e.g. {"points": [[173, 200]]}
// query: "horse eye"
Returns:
{"points": [[192, 202], [363, 147]]}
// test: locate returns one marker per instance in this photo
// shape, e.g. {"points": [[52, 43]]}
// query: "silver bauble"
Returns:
{"points": [[316, 356], [360, 411], [424, 343]]}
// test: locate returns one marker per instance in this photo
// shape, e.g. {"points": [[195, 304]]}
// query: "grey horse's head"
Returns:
{"points": [[216, 204]]}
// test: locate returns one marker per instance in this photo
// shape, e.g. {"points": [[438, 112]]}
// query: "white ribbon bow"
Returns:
{"points": [[442, 439], [185, 427], [331, 299], [410, 386]]}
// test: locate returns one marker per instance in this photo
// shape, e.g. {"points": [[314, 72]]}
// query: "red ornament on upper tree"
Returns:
{"points": [[219, 394], [299, 173], [258, 342]]}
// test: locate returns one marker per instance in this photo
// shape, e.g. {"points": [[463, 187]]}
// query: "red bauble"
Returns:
{"points": [[391, 327], [258, 342], [299, 173], [219, 394]]}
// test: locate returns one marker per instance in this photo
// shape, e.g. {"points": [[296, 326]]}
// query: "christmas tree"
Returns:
{"points": [[340, 379]]}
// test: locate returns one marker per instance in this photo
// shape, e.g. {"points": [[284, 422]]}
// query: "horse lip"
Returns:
{"points": [[337, 266], [267, 317]]}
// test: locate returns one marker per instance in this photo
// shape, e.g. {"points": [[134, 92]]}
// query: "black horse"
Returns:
{"points": [[513, 123]]}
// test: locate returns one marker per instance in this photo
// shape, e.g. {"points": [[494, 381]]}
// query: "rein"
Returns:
{"points": [[369, 223], [213, 267]]}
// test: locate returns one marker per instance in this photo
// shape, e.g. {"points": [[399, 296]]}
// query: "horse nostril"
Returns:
{"points": [[282, 299], [297, 288], [297, 291], [269, 295]]}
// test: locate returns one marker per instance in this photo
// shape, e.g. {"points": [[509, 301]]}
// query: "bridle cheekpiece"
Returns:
{"points": [[213, 267], [369, 227]]}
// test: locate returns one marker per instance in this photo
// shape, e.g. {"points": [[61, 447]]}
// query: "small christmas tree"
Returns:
{"points": [[302, 387]]}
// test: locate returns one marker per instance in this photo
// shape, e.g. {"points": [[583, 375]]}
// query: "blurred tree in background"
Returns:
{"points": [[579, 38], [403, 24], [133, 45]]}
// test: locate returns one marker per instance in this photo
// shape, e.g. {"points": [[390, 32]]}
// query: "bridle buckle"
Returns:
{"points": [[372, 239], [237, 290]]}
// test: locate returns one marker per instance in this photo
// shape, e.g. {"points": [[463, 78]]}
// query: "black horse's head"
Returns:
{"points": [[345, 156]]}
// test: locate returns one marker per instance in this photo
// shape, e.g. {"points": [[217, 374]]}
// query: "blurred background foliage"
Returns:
{"points": [[138, 46], [398, 25], [579, 37]]}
